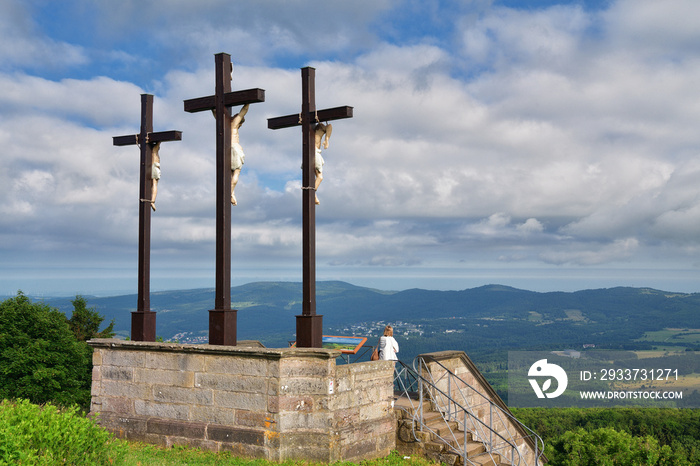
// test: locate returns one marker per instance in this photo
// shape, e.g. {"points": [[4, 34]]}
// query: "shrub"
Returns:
{"points": [[36, 435], [40, 358]]}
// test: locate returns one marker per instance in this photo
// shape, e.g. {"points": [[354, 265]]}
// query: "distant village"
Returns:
{"points": [[367, 329], [371, 329], [364, 329]]}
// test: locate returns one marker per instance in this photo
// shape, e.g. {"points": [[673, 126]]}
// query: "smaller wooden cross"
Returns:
{"points": [[309, 324], [222, 319], [143, 321]]}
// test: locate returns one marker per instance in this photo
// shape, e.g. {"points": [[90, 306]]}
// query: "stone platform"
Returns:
{"points": [[277, 404]]}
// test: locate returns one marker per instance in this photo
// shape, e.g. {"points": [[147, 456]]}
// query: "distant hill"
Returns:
{"points": [[483, 319]]}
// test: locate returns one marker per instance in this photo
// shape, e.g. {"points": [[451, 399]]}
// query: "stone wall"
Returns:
{"points": [[276, 404]]}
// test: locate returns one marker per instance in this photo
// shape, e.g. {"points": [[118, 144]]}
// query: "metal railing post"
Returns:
{"points": [[465, 432], [420, 396], [491, 426], [449, 392]]}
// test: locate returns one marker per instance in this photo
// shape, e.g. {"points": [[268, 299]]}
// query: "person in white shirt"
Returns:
{"points": [[388, 347]]}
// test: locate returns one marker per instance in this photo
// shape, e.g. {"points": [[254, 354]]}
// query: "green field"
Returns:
{"points": [[690, 336], [660, 351]]}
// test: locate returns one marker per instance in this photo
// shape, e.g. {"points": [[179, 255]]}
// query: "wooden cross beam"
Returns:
{"points": [[143, 321], [222, 319], [309, 324]]}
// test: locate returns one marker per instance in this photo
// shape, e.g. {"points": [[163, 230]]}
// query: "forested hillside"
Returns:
{"points": [[481, 321]]}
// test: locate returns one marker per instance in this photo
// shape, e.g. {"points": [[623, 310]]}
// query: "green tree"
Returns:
{"points": [[85, 322], [40, 358]]}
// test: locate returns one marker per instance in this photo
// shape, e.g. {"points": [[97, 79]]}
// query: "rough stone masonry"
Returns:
{"points": [[277, 404]]}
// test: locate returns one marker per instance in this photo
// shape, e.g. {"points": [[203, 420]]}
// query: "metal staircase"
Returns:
{"points": [[453, 419]]}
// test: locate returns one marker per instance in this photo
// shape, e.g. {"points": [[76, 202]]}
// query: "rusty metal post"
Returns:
{"points": [[223, 319], [309, 324], [143, 321]]}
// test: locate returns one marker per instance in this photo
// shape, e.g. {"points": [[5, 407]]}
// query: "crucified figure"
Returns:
{"points": [[155, 173], [321, 130], [237, 155]]}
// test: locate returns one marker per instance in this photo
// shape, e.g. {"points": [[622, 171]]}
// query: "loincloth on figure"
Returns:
{"points": [[318, 161], [155, 171], [237, 156]]}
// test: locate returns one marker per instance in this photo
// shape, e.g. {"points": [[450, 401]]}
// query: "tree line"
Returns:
{"points": [[616, 436]]}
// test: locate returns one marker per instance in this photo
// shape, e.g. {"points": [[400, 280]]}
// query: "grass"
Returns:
{"points": [[660, 352], [140, 454], [575, 315], [677, 335]]}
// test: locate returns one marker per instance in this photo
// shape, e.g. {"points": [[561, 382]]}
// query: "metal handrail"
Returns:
{"points": [[505, 418], [411, 384], [416, 388]]}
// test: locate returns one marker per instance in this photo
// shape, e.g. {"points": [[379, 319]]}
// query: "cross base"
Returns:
{"points": [[309, 331], [222, 327], [143, 326]]}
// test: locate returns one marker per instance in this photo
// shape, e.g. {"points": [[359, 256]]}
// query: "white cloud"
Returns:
{"points": [[547, 135], [654, 29], [592, 254], [503, 36], [99, 101], [22, 43], [531, 225], [258, 31]]}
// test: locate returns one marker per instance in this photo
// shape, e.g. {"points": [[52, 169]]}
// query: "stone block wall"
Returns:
{"points": [[277, 404]]}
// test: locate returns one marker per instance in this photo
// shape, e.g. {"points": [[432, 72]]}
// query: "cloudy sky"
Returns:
{"points": [[543, 144]]}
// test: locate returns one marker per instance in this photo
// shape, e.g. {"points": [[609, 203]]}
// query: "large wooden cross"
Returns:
{"points": [[143, 321], [309, 324], [222, 319]]}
